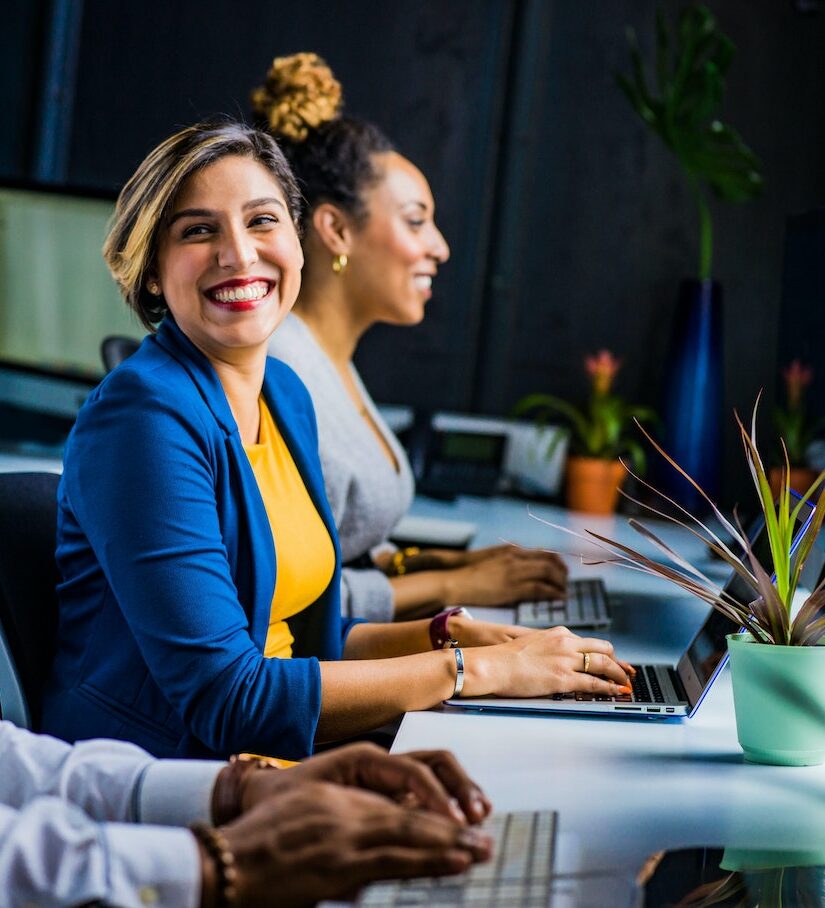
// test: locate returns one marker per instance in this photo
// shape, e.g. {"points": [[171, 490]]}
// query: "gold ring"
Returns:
{"points": [[586, 659]]}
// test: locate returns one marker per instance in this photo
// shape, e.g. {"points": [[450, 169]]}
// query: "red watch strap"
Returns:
{"points": [[439, 634]]}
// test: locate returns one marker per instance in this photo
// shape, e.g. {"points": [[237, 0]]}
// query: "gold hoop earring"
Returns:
{"points": [[339, 263]]}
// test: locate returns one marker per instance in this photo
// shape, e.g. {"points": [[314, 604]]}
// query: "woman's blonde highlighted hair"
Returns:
{"points": [[144, 204]]}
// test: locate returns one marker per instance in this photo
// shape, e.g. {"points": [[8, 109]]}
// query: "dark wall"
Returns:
{"points": [[607, 226], [21, 42], [570, 225], [408, 65]]}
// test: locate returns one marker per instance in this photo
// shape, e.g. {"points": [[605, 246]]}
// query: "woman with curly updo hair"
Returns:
{"points": [[372, 250]]}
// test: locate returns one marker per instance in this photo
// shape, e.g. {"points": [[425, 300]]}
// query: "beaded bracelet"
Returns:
{"points": [[226, 872]]}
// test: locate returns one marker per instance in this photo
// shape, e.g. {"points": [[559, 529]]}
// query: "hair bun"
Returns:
{"points": [[300, 93]]}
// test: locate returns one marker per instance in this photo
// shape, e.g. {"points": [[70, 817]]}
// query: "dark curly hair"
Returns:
{"points": [[332, 155]]}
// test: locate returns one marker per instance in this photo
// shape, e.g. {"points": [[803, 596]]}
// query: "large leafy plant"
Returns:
{"points": [[690, 67], [601, 427], [768, 615]]}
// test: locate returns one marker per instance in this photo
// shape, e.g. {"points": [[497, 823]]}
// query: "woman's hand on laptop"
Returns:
{"points": [[541, 663]]}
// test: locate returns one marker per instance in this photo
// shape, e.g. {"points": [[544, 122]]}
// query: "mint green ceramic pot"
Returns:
{"points": [[779, 698]]}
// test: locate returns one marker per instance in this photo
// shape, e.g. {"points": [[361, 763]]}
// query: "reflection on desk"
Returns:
{"points": [[736, 876]]}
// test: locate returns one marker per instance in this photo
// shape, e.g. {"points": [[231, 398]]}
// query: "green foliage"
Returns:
{"points": [[600, 429], [690, 67]]}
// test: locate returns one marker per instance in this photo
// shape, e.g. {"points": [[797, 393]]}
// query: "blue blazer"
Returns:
{"points": [[168, 568]]}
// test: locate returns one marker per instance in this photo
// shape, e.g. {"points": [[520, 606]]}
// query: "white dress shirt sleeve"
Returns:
{"points": [[51, 854], [55, 850]]}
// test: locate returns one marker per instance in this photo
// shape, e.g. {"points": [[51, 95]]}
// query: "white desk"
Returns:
{"points": [[624, 787]]}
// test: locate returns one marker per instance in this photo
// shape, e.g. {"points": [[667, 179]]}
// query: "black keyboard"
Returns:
{"points": [[586, 605], [646, 687]]}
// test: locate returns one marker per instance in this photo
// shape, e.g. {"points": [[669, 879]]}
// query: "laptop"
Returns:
{"points": [[660, 691], [586, 605]]}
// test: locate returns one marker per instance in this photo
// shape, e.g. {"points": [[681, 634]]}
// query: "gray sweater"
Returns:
{"points": [[368, 497]]}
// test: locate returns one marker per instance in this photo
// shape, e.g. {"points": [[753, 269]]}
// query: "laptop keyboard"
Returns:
{"points": [[646, 689], [585, 606], [519, 875]]}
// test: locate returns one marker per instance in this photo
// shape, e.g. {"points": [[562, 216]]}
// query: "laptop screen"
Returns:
{"points": [[709, 646]]}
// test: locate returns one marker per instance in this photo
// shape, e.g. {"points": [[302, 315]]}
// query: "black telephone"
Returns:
{"points": [[449, 462]]}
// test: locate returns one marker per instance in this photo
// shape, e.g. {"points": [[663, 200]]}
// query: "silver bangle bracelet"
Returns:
{"points": [[459, 671]]}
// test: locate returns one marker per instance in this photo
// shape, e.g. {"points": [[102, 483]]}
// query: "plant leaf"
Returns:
{"points": [[719, 515], [772, 609], [812, 611], [721, 552], [637, 455], [683, 563], [719, 547], [547, 404]]}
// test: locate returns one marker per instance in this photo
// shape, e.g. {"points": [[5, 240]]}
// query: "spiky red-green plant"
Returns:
{"points": [[768, 616]]}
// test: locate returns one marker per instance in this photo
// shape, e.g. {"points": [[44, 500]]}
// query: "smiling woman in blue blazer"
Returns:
{"points": [[199, 603]]}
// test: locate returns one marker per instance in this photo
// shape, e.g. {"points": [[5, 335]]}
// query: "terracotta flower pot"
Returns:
{"points": [[592, 485], [801, 479]]}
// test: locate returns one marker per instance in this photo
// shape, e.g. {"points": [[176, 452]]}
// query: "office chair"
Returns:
{"points": [[28, 594], [115, 348]]}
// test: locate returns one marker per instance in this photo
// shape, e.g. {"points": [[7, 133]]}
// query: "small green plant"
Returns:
{"points": [[600, 428], [791, 422], [690, 69], [768, 616]]}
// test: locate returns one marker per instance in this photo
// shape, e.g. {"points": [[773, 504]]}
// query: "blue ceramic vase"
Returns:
{"points": [[692, 404]]}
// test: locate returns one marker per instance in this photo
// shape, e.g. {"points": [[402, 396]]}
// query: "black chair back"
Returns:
{"points": [[28, 577], [115, 348]]}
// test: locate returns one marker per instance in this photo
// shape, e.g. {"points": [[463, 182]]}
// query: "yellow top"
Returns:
{"points": [[305, 554]]}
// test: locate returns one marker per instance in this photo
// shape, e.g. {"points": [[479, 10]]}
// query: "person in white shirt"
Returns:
{"points": [[104, 822]]}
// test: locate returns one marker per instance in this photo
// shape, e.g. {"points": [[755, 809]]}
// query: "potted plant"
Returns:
{"points": [[599, 436], [679, 103], [794, 428], [777, 666]]}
